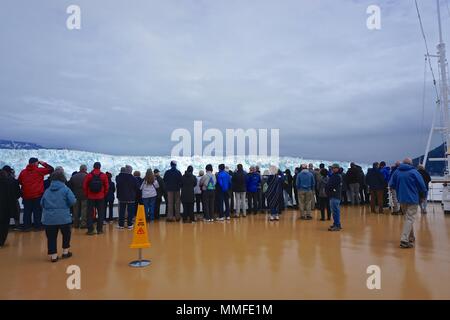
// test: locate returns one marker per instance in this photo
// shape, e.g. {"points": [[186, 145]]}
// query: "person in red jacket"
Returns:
{"points": [[95, 187], [31, 180]]}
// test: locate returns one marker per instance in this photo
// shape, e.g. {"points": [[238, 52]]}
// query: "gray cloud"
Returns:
{"points": [[133, 74]]}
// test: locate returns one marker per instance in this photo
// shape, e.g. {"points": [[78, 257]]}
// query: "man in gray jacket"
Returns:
{"points": [[80, 207]]}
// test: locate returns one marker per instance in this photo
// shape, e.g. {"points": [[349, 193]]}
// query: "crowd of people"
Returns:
{"points": [[86, 200]]}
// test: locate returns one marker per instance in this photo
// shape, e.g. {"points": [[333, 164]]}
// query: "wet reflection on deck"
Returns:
{"points": [[247, 258]]}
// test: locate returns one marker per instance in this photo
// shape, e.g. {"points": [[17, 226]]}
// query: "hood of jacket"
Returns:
{"points": [[56, 185], [405, 167]]}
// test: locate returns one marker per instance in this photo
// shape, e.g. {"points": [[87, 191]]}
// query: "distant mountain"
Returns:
{"points": [[10, 144], [435, 168]]}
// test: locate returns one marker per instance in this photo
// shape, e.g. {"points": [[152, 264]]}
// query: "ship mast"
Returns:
{"points": [[444, 89], [442, 103]]}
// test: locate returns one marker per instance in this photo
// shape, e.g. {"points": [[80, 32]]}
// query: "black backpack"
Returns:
{"points": [[96, 184]]}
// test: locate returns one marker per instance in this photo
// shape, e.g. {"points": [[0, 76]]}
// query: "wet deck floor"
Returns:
{"points": [[247, 258]]}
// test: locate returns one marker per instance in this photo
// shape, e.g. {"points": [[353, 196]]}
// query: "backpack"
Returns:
{"points": [[265, 187], [210, 185], [96, 184]]}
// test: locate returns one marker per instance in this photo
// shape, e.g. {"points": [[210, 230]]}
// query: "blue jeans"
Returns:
{"points": [[224, 197], [149, 206], [274, 212], [130, 207], [32, 207], [336, 210]]}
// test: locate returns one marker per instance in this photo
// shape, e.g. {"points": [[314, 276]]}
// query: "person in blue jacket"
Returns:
{"points": [[410, 188], [223, 185], [306, 188], [253, 181], [56, 203], [386, 172]]}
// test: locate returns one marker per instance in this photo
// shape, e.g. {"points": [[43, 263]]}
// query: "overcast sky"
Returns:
{"points": [[137, 70]]}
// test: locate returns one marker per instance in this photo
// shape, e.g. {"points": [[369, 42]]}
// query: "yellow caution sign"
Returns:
{"points": [[140, 237]]}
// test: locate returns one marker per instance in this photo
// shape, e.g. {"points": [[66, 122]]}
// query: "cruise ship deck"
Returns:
{"points": [[246, 258]]}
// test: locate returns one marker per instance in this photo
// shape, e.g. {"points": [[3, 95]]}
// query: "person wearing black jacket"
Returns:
{"points": [[296, 171], [127, 189], [188, 183], [239, 186], [427, 179], [353, 180], [137, 176], [287, 188], [9, 194], [172, 180], [334, 192], [161, 192], [109, 199], [376, 183], [363, 192], [11, 174]]}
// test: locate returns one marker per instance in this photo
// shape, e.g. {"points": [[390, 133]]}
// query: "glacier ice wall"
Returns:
{"points": [[70, 160]]}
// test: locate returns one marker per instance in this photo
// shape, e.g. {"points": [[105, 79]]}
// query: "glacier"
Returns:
{"points": [[71, 160]]}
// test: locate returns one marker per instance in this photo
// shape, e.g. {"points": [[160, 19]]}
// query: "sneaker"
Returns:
{"points": [[244, 215], [272, 218], [105, 223], [412, 240], [120, 227], [334, 228], [221, 219], [66, 255], [406, 245], [236, 216], [308, 218], [277, 217], [100, 232], [130, 227], [322, 219], [54, 260], [90, 232], [17, 229], [228, 218]]}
